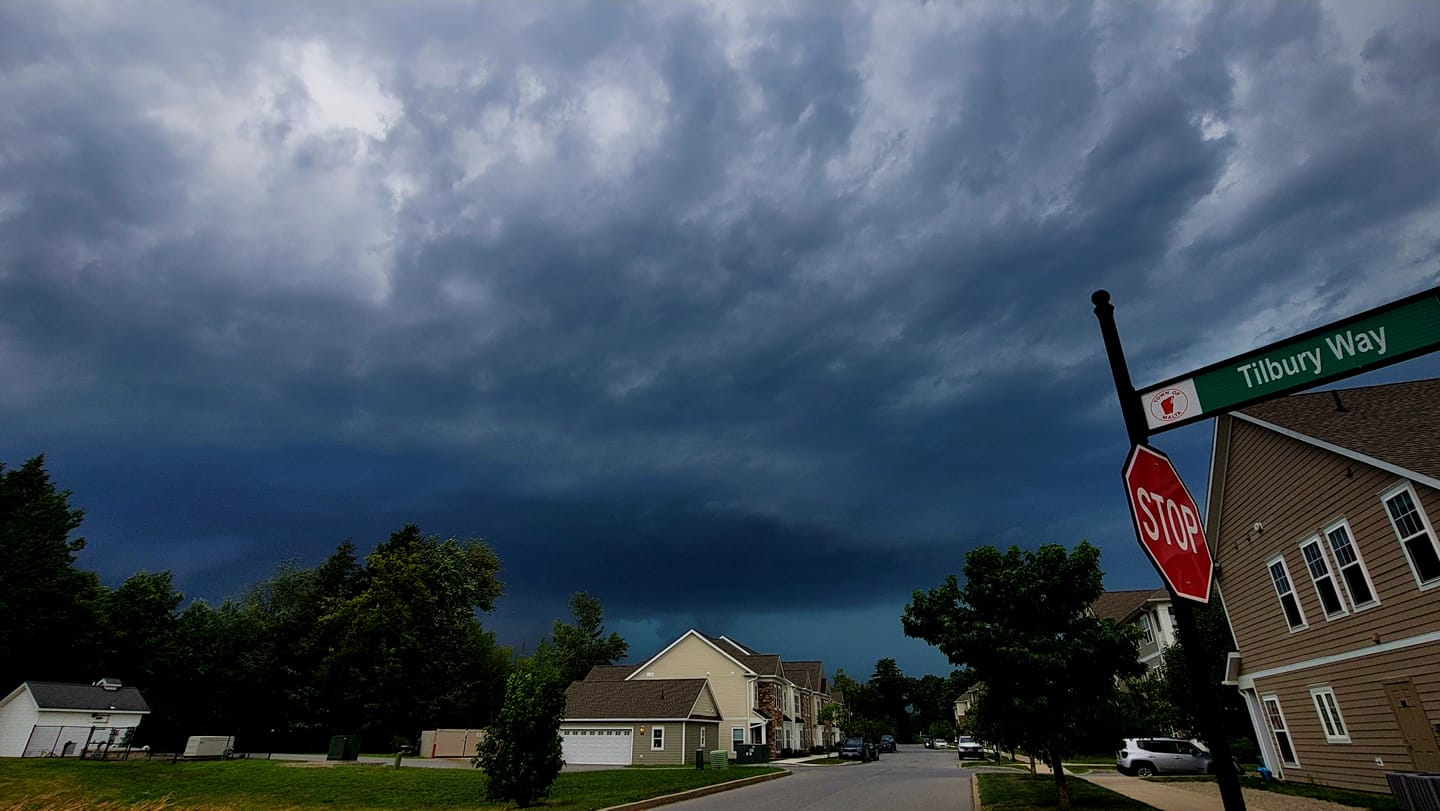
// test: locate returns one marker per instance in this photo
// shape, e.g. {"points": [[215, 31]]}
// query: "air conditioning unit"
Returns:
{"points": [[1415, 792]]}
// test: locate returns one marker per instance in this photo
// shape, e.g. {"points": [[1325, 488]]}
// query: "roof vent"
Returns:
{"points": [[1339, 404], [108, 684]]}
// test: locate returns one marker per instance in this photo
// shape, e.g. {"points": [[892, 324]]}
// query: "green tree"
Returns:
{"points": [[1179, 692], [890, 689], [581, 646], [521, 753], [51, 608], [404, 648], [1020, 625], [836, 715]]}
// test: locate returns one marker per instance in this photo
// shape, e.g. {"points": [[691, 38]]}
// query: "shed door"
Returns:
{"points": [[1414, 725], [596, 746]]}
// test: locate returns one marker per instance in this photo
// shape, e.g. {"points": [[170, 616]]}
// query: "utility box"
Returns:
{"points": [[209, 746], [752, 753], [719, 759], [344, 747]]}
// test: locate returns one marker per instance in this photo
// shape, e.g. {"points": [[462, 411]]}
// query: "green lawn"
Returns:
{"points": [[1019, 792], [71, 785]]}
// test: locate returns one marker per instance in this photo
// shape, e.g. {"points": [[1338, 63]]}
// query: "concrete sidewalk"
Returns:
{"points": [[1164, 796]]}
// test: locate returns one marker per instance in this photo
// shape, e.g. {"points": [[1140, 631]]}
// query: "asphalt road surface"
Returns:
{"points": [[912, 778]]}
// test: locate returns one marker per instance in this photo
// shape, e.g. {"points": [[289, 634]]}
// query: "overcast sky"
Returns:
{"points": [[745, 317]]}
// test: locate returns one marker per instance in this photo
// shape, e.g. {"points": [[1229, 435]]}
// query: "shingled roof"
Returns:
{"points": [[644, 699], [764, 664], [1394, 423], [809, 674], [51, 695], [1122, 605], [609, 672]]}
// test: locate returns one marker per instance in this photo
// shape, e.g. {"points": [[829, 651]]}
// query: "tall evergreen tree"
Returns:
{"points": [[51, 608]]}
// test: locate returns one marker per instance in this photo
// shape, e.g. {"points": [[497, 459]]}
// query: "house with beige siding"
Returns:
{"points": [[649, 722], [1321, 518], [1149, 610], [759, 698]]}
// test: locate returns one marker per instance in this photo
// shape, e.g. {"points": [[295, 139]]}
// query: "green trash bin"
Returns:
{"points": [[344, 747]]}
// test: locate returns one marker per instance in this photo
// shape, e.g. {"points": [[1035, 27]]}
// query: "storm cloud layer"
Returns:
{"points": [[752, 317]]}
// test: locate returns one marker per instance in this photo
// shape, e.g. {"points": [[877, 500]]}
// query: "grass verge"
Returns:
{"points": [[71, 785], [1020, 792]]}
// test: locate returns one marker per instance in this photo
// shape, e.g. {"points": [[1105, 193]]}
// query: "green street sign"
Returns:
{"points": [[1362, 343]]}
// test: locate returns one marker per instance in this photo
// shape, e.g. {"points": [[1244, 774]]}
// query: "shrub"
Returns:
{"points": [[521, 752]]}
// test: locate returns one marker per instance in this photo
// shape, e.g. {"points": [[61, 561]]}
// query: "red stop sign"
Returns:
{"points": [[1167, 523]]}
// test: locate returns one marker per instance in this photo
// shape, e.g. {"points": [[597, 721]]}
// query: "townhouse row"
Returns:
{"points": [[699, 693]]}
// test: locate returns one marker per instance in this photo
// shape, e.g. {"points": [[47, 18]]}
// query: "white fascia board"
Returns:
{"points": [[1247, 680]]}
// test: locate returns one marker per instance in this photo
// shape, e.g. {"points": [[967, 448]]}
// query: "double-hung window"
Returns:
{"points": [[1352, 567], [1146, 628], [1415, 534], [1275, 719], [1320, 574], [1280, 576], [1329, 711], [657, 738]]}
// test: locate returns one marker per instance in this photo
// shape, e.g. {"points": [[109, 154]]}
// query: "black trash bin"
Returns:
{"points": [[752, 753], [344, 747]]}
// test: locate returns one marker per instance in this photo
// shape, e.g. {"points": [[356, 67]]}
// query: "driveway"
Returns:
{"points": [[912, 778]]}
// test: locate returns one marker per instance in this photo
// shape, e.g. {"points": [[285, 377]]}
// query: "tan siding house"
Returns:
{"points": [[654, 721], [757, 698], [1320, 518]]}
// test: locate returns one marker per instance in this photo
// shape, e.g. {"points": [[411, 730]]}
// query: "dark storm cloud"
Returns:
{"points": [[719, 312]]}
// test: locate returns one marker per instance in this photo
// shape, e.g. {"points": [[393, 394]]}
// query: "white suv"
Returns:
{"points": [[1146, 756]]}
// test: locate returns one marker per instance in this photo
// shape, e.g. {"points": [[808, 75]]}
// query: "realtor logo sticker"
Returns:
{"points": [[1169, 404]]}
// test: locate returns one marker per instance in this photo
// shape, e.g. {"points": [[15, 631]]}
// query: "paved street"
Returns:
{"points": [[912, 778]]}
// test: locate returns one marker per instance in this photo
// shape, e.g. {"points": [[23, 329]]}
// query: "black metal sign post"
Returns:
{"points": [[1212, 725]]}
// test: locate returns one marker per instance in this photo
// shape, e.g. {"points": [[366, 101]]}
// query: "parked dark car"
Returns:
{"points": [[859, 749], [887, 743]]}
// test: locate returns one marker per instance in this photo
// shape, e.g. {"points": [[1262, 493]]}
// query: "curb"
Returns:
{"points": [[975, 791], [656, 802]]}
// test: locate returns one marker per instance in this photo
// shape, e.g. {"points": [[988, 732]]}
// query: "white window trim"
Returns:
{"points": [[1359, 561], [1424, 519], [1316, 700], [1289, 735], [1320, 543], [1304, 623], [1147, 628], [657, 733]]}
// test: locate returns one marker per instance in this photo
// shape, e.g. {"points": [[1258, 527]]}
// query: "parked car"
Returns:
{"points": [[887, 743], [859, 749], [1144, 757], [969, 747], [939, 743]]}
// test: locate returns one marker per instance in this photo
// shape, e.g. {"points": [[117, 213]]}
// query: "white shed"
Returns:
{"points": [[42, 718]]}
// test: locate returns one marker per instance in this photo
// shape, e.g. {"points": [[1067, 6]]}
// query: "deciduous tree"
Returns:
{"points": [[521, 753], [1020, 624], [581, 646]]}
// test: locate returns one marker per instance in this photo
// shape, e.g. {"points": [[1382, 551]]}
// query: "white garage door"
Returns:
{"points": [[603, 746]]}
